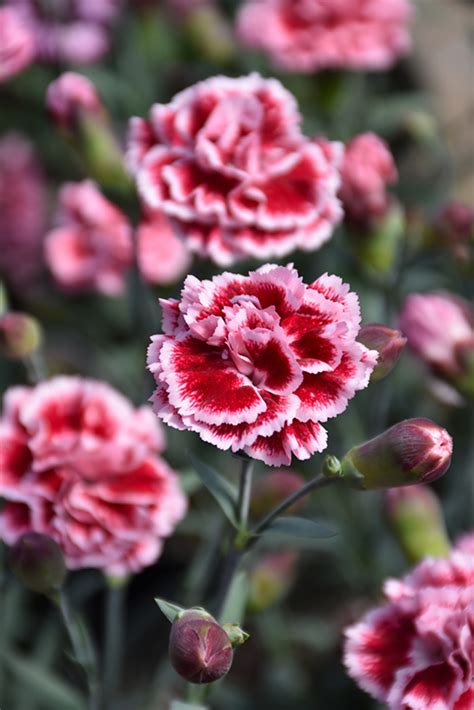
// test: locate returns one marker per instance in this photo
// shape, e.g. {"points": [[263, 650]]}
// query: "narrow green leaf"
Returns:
{"points": [[291, 527], [233, 612], [169, 609], [54, 692], [179, 705], [224, 493]]}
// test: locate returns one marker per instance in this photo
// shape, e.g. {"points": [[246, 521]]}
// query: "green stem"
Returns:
{"points": [[114, 638], [238, 547], [81, 645], [35, 367], [321, 481]]}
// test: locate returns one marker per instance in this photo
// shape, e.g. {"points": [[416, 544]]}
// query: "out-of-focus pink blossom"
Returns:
{"points": [[71, 96], [91, 248], [256, 363], [440, 330], [163, 258], [227, 161], [75, 31], [367, 169], [16, 43], [309, 35], [22, 212], [417, 651], [81, 465]]}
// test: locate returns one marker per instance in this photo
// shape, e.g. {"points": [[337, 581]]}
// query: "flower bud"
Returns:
{"points": [[200, 649], [272, 489], [270, 580], [416, 518], [71, 96], [412, 451], [76, 108], [389, 344], [237, 636], [20, 335], [38, 562]]}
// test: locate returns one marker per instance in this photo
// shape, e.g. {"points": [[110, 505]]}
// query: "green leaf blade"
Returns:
{"points": [[222, 491]]}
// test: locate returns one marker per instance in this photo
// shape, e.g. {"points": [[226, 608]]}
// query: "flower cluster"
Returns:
{"points": [[309, 35], [417, 651], [81, 465], [257, 362], [227, 161], [16, 43], [22, 211], [91, 249], [76, 31]]}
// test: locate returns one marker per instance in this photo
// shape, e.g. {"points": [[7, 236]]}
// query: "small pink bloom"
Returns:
{"points": [[22, 212], [163, 258], [388, 342], [227, 162], [258, 362], [16, 43], [76, 31], [91, 249], [81, 465], [439, 328], [417, 651], [71, 96], [310, 35], [367, 169]]}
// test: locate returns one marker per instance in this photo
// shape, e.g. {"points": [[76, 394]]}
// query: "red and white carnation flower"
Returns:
{"points": [[227, 162], [256, 363], [310, 35], [417, 651], [79, 463]]}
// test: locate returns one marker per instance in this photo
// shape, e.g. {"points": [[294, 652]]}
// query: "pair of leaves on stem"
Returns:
{"points": [[298, 531]]}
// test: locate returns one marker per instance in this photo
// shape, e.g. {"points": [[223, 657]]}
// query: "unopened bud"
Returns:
{"points": [[210, 33], [38, 562], [272, 489], [75, 106], [200, 650], [389, 344], [331, 467], [270, 580], [70, 97], [416, 518], [412, 451], [20, 335]]}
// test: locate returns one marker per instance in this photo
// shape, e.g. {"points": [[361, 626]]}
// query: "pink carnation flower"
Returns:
{"points": [[440, 330], [81, 465], [16, 43], [76, 31], [367, 169], [163, 258], [22, 212], [309, 35], [226, 160], [256, 363], [417, 651], [91, 249]]}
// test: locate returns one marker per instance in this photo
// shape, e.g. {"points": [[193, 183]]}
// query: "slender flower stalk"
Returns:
{"points": [[114, 637], [83, 649]]}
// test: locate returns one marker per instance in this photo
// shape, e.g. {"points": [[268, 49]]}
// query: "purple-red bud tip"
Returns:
{"points": [[38, 562], [200, 650], [71, 96], [389, 344]]}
